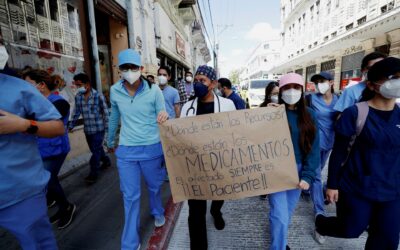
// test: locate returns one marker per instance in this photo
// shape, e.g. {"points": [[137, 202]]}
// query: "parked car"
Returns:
{"points": [[256, 92]]}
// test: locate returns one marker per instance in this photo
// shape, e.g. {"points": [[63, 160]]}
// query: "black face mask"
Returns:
{"points": [[200, 90]]}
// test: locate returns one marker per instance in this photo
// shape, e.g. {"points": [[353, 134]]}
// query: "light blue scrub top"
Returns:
{"points": [[350, 96], [140, 136], [326, 116], [171, 97], [22, 174]]}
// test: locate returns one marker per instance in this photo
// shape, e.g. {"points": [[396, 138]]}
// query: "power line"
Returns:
{"points": [[205, 28], [212, 23]]}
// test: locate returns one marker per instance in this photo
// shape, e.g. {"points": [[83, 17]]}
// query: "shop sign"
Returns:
{"points": [[180, 45], [352, 50]]}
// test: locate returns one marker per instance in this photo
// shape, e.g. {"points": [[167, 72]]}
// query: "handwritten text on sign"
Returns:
{"points": [[229, 155]]}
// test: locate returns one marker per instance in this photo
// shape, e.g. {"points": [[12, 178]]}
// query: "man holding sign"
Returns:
{"points": [[206, 102]]}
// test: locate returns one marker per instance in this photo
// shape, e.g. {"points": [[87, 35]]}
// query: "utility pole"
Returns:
{"points": [[216, 45]]}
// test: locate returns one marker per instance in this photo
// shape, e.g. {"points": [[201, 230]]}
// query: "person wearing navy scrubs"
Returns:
{"points": [[140, 107], [322, 103], [24, 114], [366, 188]]}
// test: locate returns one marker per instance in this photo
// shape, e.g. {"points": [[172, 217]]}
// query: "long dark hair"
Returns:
{"points": [[304, 122], [268, 90]]}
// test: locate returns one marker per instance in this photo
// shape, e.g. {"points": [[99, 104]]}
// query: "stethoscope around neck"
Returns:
{"points": [[194, 110]]}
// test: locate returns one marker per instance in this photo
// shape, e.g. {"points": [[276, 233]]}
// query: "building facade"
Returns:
{"points": [[261, 61], [67, 37], [334, 35]]}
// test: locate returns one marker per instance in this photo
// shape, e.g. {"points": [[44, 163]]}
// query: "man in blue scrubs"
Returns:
{"points": [[352, 95], [171, 95], [225, 86], [24, 114]]}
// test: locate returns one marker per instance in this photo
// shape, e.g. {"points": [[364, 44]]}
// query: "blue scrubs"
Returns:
{"points": [[369, 182], [284, 203], [350, 96], [139, 152], [326, 127], [23, 178]]}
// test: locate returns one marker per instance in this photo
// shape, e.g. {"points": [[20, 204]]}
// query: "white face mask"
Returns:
{"points": [[189, 79], [3, 57], [323, 87], [131, 76], [291, 96], [274, 98], [390, 89], [81, 90], [162, 80]]}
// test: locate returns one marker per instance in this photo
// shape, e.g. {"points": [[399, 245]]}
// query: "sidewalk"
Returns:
{"points": [[247, 227]]}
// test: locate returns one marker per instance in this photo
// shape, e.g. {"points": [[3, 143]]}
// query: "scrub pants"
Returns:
{"points": [[29, 223], [355, 214], [282, 206], [130, 172], [197, 222], [316, 189]]}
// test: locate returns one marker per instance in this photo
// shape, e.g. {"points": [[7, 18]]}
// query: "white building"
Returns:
{"points": [[261, 60], [179, 41], [334, 35]]}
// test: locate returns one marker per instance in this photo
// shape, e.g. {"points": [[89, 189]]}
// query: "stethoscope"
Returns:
{"points": [[194, 110]]}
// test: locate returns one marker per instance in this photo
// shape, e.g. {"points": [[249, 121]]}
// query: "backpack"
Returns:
{"points": [[363, 110]]}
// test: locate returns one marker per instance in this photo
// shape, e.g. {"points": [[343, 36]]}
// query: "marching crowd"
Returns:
{"points": [[358, 132]]}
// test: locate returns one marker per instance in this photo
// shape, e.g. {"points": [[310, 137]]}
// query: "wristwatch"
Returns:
{"points": [[33, 128]]}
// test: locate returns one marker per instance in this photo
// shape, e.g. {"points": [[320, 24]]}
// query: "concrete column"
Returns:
{"points": [[394, 39]]}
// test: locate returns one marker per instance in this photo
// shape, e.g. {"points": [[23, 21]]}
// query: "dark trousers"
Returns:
{"points": [[355, 214], [95, 143], [197, 222], [54, 190]]}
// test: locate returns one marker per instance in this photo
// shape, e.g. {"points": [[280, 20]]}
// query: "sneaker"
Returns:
{"points": [[90, 179], [263, 197], [159, 221], [219, 222], [287, 247], [319, 238], [56, 217], [67, 217]]}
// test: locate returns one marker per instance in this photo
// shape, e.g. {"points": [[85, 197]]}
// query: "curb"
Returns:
{"points": [[160, 237]]}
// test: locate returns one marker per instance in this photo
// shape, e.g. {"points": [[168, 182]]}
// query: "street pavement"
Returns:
{"points": [[99, 218], [247, 227]]}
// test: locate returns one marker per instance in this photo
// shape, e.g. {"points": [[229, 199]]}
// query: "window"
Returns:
{"points": [[334, 34], [54, 10], [349, 27], [337, 3], [384, 9], [328, 7], [326, 38], [71, 17], [362, 20], [40, 8], [312, 12]]}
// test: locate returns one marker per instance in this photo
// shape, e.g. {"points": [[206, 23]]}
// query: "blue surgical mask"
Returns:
{"points": [[200, 90]]}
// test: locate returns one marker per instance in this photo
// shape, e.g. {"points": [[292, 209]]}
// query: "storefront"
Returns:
{"points": [[351, 68], [310, 71], [112, 37], [299, 71], [173, 47], [329, 66]]}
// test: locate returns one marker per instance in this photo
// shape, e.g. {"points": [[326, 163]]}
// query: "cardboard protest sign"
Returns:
{"points": [[229, 155]]}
